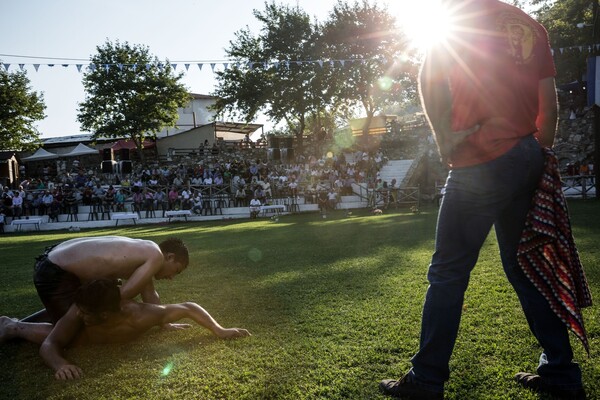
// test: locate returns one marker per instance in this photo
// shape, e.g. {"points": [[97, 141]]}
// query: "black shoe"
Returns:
{"points": [[408, 388], [535, 383]]}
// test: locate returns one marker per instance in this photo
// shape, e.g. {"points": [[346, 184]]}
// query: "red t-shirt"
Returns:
{"points": [[501, 54]]}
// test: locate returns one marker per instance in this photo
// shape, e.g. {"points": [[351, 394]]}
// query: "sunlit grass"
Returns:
{"points": [[333, 304]]}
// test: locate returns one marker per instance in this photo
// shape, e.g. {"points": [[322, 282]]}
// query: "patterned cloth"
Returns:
{"points": [[547, 252]]}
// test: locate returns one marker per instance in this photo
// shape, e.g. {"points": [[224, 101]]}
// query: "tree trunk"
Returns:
{"points": [[365, 130], [138, 145]]}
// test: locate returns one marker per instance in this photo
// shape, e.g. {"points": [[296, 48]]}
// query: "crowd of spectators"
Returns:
{"points": [[193, 183]]}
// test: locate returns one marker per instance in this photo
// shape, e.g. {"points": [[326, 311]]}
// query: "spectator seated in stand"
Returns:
{"points": [[254, 207], [197, 203], [120, 200]]}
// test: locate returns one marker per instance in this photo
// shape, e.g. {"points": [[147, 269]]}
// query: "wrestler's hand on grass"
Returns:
{"points": [[175, 327], [67, 372], [231, 333]]}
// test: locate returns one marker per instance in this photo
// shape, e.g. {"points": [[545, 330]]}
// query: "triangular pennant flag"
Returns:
{"points": [[22, 67], [212, 66], [287, 64], [265, 65], [36, 66], [51, 65], [200, 66], [65, 65], [106, 67], [343, 62], [320, 63], [6, 66], [276, 65], [187, 66], [120, 66], [148, 66], [250, 64], [134, 66], [225, 65], [299, 62], [78, 67], [160, 67], [174, 67]]}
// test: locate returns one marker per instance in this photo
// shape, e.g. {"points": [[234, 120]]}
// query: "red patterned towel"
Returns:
{"points": [[547, 252]]}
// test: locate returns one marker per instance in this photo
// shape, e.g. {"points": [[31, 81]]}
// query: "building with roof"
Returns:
{"points": [[195, 125]]}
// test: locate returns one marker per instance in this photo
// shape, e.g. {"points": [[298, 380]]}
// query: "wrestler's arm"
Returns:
{"points": [[548, 112], [51, 350], [140, 282], [148, 315]]}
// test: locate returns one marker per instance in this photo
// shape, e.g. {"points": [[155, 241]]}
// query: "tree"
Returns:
{"points": [[561, 19], [272, 72], [130, 93], [20, 107], [366, 37]]}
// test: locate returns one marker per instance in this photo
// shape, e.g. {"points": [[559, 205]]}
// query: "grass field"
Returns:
{"points": [[333, 306]]}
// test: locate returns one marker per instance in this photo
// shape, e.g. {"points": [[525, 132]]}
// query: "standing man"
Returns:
{"points": [[489, 94], [63, 268]]}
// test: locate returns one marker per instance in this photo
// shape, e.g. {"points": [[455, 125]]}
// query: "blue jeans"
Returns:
{"points": [[497, 193]]}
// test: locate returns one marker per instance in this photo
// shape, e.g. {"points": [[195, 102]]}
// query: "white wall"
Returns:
{"points": [[186, 116]]}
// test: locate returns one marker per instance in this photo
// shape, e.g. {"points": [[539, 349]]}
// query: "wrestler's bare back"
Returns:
{"points": [[112, 257]]}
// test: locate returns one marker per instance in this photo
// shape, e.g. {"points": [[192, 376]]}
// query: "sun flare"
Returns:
{"points": [[425, 22]]}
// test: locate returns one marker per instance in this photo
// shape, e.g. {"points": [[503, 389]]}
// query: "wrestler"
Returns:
{"points": [[99, 316], [63, 268]]}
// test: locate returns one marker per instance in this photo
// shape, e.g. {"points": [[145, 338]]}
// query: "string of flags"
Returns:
{"points": [[187, 65], [591, 48]]}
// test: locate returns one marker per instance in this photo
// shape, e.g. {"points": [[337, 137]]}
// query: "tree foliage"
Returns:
{"points": [[266, 76], [309, 74], [20, 107], [381, 72], [130, 93], [561, 19]]}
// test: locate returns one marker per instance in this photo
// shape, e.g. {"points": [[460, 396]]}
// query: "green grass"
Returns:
{"points": [[333, 305]]}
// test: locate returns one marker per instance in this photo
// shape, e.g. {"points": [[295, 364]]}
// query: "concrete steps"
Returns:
{"points": [[397, 169]]}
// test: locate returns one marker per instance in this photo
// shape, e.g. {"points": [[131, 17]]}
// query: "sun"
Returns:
{"points": [[424, 22]]}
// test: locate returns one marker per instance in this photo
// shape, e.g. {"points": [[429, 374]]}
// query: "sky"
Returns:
{"points": [[67, 32]]}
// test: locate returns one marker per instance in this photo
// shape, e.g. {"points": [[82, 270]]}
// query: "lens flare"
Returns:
{"points": [[167, 369], [255, 254], [385, 83], [344, 139]]}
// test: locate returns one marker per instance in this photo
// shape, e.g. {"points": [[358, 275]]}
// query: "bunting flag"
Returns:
{"points": [[591, 48]]}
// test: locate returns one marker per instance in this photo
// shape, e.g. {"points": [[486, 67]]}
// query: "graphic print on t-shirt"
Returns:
{"points": [[520, 34]]}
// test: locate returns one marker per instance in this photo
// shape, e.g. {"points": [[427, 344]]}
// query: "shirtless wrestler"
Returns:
{"points": [[63, 268], [99, 316]]}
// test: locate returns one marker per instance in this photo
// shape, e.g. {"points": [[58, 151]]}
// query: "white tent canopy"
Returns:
{"points": [[80, 150], [39, 155]]}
